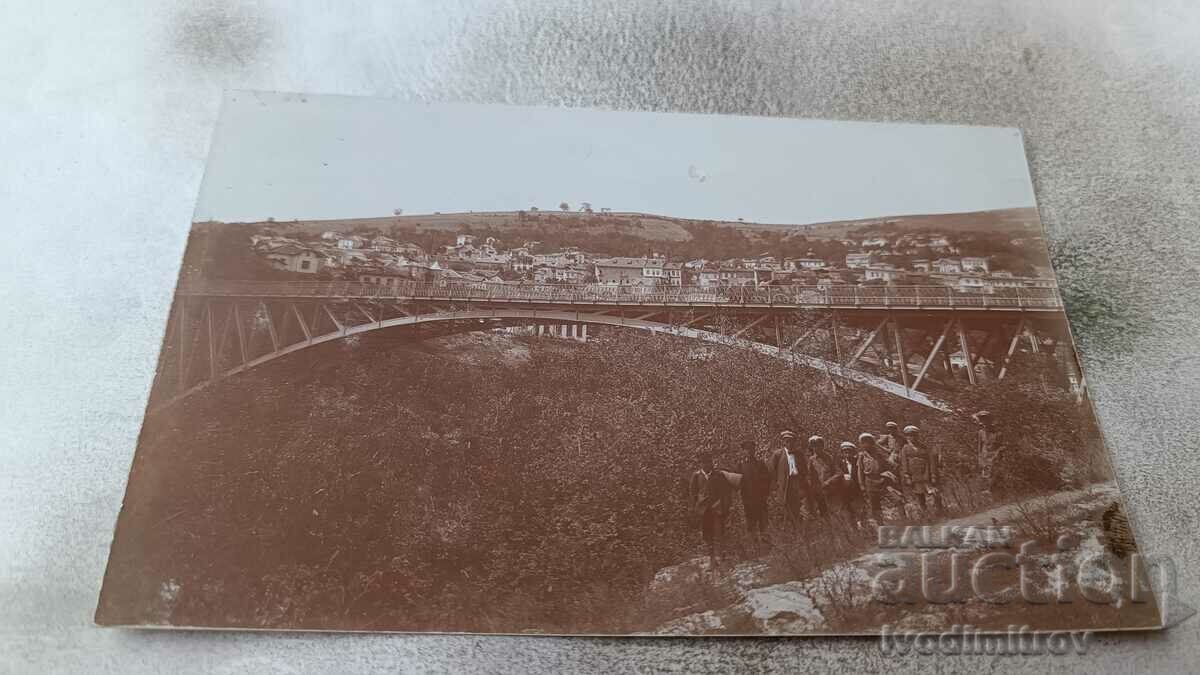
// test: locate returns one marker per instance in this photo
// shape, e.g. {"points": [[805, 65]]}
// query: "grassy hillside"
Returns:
{"points": [[476, 483]]}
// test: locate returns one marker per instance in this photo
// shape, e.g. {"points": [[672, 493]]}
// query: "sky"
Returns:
{"points": [[291, 156]]}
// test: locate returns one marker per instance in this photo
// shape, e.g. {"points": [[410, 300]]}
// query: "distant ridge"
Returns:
{"points": [[666, 228]]}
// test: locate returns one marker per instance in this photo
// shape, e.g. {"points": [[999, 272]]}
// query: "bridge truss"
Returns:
{"points": [[904, 341]]}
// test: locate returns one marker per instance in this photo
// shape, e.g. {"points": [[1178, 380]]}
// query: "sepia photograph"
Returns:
{"points": [[486, 369]]}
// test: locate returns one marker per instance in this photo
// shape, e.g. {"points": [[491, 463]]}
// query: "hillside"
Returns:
{"points": [[479, 482], [665, 228]]}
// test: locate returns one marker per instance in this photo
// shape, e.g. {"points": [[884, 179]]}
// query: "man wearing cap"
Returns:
{"points": [[709, 497], [920, 467], [841, 486], [889, 442], [820, 467], [988, 447], [755, 490], [873, 473], [791, 468]]}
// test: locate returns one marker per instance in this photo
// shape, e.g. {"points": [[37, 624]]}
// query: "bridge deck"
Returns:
{"points": [[921, 298]]}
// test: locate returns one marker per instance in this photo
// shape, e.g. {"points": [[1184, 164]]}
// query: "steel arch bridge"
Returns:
{"points": [[907, 334]]}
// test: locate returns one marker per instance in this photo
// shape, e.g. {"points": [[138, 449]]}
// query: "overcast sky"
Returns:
{"points": [[312, 157]]}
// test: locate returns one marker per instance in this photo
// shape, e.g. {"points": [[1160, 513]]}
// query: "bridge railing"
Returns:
{"points": [[794, 295]]}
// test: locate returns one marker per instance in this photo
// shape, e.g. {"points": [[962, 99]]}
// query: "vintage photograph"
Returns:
{"points": [[448, 368]]}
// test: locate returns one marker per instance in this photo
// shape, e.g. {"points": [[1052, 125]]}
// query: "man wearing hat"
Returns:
{"points": [[792, 475], [920, 467], [820, 467], [988, 447], [873, 471], [889, 442], [755, 490], [840, 485], [709, 494]]}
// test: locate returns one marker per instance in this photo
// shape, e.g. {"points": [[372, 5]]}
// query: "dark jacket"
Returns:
{"points": [[712, 491], [756, 480]]}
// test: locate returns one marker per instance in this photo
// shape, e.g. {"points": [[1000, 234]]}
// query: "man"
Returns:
{"points": [[889, 442], [820, 466], [709, 497], [988, 447], [755, 490], [841, 485], [920, 469], [791, 469], [873, 472]]}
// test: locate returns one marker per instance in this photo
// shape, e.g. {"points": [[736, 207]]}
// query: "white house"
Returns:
{"points": [[674, 272], [886, 273], [973, 285], [975, 264], [859, 260], [948, 266], [295, 259], [808, 263]]}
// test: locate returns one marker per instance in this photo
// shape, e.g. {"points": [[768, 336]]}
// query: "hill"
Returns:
{"points": [[656, 227]]}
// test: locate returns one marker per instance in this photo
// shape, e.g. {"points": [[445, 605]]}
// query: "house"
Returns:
{"points": [[350, 243], [622, 271], [521, 263], [921, 265], [859, 260], [294, 258], [563, 275], [1039, 282], [352, 258], [563, 258], [948, 266], [654, 271], [709, 276], [675, 274], [998, 281], [382, 243], [970, 284], [766, 261], [331, 235], [410, 250], [975, 264], [807, 263], [464, 240], [875, 242], [381, 276], [882, 272], [732, 276]]}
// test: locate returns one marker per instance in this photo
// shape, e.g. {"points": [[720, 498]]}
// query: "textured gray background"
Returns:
{"points": [[105, 114]]}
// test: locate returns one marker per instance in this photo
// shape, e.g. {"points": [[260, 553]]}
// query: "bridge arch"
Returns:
{"points": [[534, 316]]}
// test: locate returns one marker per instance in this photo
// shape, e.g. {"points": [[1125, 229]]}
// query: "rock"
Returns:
{"points": [[739, 579], [783, 608], [686, 572], [693, 624]]}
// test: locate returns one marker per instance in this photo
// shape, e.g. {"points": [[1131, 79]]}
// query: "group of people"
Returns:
{"points": [[812, 479]]}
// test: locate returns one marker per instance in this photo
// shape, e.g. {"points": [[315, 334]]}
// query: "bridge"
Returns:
{"points": [[898, 339]]}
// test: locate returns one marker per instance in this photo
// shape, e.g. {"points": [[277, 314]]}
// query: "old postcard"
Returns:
{"points": [[510, 370]]}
